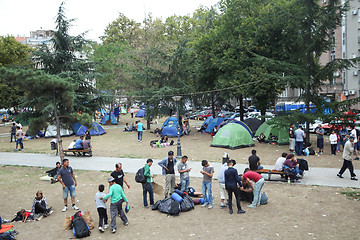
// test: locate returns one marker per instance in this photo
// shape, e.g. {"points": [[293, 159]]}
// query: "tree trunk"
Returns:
{"points": [[241, 107], [213, 105], [58, 126], [308, 111], [263, 113]]}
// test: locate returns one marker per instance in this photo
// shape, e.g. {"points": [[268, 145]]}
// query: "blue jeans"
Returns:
{"points": [[19, 141], [206, 188], [148, 188], [140, 135], [295, 171], [257, 192], [66, 192], [13, 135], [185, 185], [260, 167], [299, 148]]}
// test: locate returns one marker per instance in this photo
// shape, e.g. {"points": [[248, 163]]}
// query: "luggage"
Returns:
{"points": [[156, 205], [80, 228], [176, 197], [164, 205], [187, 204], [303, 164], [174, 208], [140, 177], [181, 194], [263, 199], [6, 236]]}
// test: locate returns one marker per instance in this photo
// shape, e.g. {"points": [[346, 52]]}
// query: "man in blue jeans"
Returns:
{"points": [[139, 127], [147, 186], [293, 166], [67, 179], [299, 138], [184, 170], [207, 172]]}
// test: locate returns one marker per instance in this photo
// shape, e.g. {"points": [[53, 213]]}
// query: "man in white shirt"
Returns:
{"points": [[280, 162], [19, 139], [299, 140], [356, 142]]}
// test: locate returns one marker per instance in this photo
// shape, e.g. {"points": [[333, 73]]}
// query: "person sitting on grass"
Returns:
{"points": [[261, 138], [292, 166], [53, 172], [127, 128], [79, 143], [40, 206], [272, 138], [22, 216], [133, 128]]}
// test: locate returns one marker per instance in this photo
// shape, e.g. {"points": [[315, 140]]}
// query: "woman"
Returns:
{"points": [[87, 135], [40, 206]]}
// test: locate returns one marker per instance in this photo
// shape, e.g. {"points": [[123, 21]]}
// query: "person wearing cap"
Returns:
{"points": [[168, 170], [117, 198], [347, 156]]}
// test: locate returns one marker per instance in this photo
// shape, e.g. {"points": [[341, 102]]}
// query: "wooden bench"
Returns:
{"points": [[77, 152], [269, 172]]}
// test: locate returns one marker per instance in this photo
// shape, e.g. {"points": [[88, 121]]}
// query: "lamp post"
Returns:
{"points": [[177, 99]]}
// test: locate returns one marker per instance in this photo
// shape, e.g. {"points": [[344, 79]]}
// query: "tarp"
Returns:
{"points": [[141, 113], [95, 130], [214, 123], [108, 119], [253, 124], [232, 136], [51, 132], [261, 129]]}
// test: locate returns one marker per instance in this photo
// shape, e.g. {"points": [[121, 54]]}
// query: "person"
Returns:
{"points": [[246, 193], [164, 139], [273, 138], [18, 124], [347, 156], [232, 184], [208, 173], [157, 131], [214, 131], [343, 133], [13, 132], [40, 206], [68, 181], [132, 112], [221, 180], [333, 142], [338, 142], [72, 145], [280, 162], [86, 143], [79, 143], [87, 135], [19, 139], [320, 139], [54, 172], [259, 183], [356, 142], [168, 164], [292, 166], [133, 128], [261, 138], [140, 131], [119, 176], [117, 198], [22, 215], [184, 170], [127, 128], [291, 138], [147, 186], [101, 208], [299, 140], [254, 161]]}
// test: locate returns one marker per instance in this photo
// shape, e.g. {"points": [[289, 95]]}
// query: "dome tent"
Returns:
{"points": [[141, 113], [51, 132], [253, 124], [214, 123], [207, 121], [232, 136], [109, 118], [170, 120], [95, 130], [170, 127], [261, 129], [227, 121], [279, 131]]}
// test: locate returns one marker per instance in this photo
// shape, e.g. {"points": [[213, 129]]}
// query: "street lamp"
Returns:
{"points": [[177, 99]]}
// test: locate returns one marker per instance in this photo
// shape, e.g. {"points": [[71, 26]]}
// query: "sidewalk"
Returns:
{"points": [[315, 176]]}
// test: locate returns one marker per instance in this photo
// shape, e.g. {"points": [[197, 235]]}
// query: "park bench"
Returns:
{"points": [[269, 172], [77, 152]]}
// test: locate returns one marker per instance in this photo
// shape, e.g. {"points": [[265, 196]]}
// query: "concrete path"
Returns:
{"points": [[315, 176]]}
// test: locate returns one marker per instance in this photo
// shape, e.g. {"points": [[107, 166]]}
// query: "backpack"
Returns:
{"points": [[311, 151], [140, 177], [303, 164], [165, 205], [80, 228], [156, 205], [6, 236], [263, 199], [174, 208], [187, 204]]}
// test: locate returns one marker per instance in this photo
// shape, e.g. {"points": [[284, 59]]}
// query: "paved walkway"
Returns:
{"points": [[315, 176]]}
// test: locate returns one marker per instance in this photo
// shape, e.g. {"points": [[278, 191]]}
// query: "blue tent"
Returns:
{"points": [[95, 130], [108, 119], [207, 121], [170, 120], [141, 113], [76, 127], [170, 127], [102, 111], [214, 123]]}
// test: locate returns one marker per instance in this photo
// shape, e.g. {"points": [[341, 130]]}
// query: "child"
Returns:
{"points": [[22, 215], [207, 172], [101, 208], [333, 141]]}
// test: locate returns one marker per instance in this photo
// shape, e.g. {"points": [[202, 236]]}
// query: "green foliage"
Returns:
{"points": [[352, 195]]}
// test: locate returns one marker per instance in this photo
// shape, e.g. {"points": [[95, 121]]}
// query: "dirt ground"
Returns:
{"points": [[293, 211], [116, 143]]}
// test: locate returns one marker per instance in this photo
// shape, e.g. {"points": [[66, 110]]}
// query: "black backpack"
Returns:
{"points": [[187, 204], [174, 208], [80, 228], [156, 205], [6, 236], [140, 177]]}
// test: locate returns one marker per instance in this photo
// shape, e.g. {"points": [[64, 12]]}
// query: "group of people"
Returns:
{"points": [[18, 135], [138, 127], [80, 143]]}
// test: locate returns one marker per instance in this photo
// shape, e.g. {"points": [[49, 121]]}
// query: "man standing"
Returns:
{"points": [[299, 138], [320, 139], [208, 173], [79, 143], [184, 170], [291, 138], [19, 139], [221, 180], [140, 131], [13, 132], [147, 186], [254, 161], [119, 175], [259, 183], [168, 165], [347, 156], [132, 112], [232, 181], [67, 179], [356, 142], [117, 198]]}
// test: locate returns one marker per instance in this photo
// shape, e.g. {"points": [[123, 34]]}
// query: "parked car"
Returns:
{"points": [[224, 114], [204, 115], [257, 115], [237, 109], [194, 115]]}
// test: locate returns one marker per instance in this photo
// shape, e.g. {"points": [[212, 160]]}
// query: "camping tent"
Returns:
{"points": [[232, 136], [207, 121], [95, 130], [261, 129], [168, 121], [227, 121], [170, 127], [253, 124], [123, 110], [214, 123], [51, 131], [281, 132], [141, 113], [108, 119]]}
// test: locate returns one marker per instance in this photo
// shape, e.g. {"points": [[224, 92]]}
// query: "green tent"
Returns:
{"points": [[123, 110], [281, 132], [261, 129], [232, 136]]}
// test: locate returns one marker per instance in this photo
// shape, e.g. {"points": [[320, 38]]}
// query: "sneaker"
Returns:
{"points": [[298, 181], [113, 230], [357, 158], [127, 223], [146, 206], [251, 206], [204, 205], [64, 209], [298, 175], [240, 211], [15, 150], [339, 175], [222, 205], [140, 141], [106, 226], [101, 229], [210, 206], [75, 207], [231, 211], [354, 178]]}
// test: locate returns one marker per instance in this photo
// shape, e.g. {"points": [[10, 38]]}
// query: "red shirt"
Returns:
{"points": [[27, 214], [252, 176]]}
